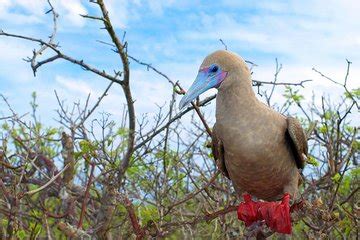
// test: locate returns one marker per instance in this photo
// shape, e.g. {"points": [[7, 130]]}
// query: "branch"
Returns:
{"points": [[60, 55], [344, 85], [257, 83], [176, 117], [83, 206], [34, 65], [350, 195], [193, 194], [46, 184], [121, 49], [277, 71], [140, 233], [223, 43], [347, 160], [207, 217], [95, 105], [68, 157]]}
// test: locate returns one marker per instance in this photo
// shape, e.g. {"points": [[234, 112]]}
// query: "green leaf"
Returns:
{"points": [[312, 161], [356, 145], [327, 115], [121, 132], [5, 126], [355, 93], [87, 146], [323, 129], [336, 178], [21, 234], [52, 131]]}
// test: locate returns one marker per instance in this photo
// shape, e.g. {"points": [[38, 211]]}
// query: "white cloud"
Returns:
{"points": [[305, 31], [122, 11], [74, 85], [24, 12], [149, 90], [32, 13], [118, 11], [72, 10], [11, 64], [158, 6]]}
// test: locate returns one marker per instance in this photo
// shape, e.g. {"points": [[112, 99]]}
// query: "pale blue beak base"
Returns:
{"points": [[203, 82], [198, 87]]}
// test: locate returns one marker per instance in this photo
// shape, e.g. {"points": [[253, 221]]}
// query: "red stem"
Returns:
{"points": [[134, 220], [83, 207]]}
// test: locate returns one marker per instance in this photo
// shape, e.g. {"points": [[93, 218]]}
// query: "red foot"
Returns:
{"points": [[275, 214], [247, 210]]}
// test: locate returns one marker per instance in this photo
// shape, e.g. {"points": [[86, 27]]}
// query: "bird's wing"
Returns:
{"points": [[298, 142], [218, 152]]}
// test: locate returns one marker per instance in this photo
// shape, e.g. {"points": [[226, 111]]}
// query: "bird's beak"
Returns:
{"points": [[199, 86], [203, 82]]}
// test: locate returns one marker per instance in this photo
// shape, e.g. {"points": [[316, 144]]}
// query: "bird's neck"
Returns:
{"points": [[236, 97]]}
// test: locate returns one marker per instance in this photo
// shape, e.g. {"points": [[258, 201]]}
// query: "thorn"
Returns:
{"points": [[223, 43], [34, 71], [123, 38]]}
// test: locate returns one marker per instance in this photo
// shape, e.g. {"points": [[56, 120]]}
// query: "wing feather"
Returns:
{"points": [[218, 152], [297, 140]]}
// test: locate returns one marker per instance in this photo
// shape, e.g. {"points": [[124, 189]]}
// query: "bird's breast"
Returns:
{"points": [[256, 154]]}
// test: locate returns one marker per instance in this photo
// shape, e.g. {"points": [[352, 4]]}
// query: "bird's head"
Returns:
{"points": [[213, 72]]}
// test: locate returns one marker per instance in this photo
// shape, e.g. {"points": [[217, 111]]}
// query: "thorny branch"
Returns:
{"points": [[37, 53], [61, 55]]}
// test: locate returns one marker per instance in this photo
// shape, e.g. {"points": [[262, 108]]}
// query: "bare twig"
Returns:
{"points": [[260, 83], [193, 194], [176, 117], [344, 85], [347, 161], [277, 71], [46, 184]]}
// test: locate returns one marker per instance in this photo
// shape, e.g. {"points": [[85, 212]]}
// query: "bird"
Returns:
{"points": [[260, 150]]}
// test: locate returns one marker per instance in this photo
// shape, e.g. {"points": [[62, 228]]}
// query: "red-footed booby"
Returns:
{"points": [[259, 149]]}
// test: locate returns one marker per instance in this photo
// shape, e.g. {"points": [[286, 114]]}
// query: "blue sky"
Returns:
{"points": [[175, 36]]}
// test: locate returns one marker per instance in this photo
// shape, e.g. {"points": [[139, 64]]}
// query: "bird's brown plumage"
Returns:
{"points": [[259, 149]]}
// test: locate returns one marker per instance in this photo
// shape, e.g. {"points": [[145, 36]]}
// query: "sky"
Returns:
{"points": [[175, 36]]}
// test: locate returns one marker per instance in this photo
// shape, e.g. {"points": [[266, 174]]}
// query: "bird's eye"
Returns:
{"points": [[213, 68]]}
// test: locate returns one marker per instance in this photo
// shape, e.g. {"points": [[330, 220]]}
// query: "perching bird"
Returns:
{"points": [[259, 149]]}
